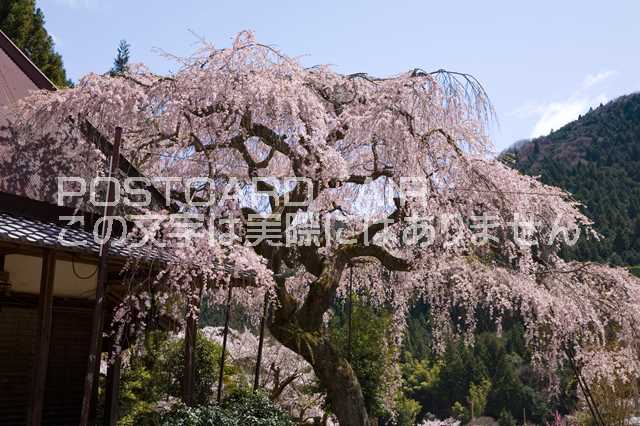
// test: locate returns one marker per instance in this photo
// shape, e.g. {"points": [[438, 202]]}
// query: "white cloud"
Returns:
{"points": [[555, 114], [594, 79]]}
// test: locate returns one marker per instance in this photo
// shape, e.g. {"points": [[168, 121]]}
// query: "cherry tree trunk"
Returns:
{"points": [[300, 328], [335, 373], [343, 389]]}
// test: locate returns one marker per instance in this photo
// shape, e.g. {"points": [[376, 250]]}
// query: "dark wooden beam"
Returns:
{"points": [[350, 313], [43, 333], [91, 133], [93, 363], [112, 393]]}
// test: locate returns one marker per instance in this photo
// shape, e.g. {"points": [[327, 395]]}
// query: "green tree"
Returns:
{"points": [[478, 394], [141, 385], [23, 23], [406, 411], [371, 355], [121, 61], [207, 368], [155, 372], [493, 375]]}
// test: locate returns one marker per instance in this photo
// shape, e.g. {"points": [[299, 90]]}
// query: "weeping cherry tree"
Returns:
{"points": [[391, 179]]}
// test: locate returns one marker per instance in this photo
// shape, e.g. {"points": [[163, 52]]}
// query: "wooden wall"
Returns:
{"points": [[67, 360], [17, 339]]}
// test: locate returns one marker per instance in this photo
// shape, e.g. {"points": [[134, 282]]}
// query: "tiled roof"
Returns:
{"points": [[37, 233], [33, 232]]}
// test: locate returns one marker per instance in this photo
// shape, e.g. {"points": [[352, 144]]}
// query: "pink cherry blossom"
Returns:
{"points": [[251, 111]]}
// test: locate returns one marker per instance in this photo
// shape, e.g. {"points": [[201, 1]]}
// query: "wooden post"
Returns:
{"points": [[350, 313], [95, 343], [263, 320], [189, 364], [112, 393], [190, 335], [45, 320], [224, 344]]}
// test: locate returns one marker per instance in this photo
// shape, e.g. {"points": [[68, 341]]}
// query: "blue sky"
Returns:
{"points": [[542, 62]]}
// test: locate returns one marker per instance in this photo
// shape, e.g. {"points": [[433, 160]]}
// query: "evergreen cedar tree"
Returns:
{"points": [[23, 23], [121, 60], [249, 111]]}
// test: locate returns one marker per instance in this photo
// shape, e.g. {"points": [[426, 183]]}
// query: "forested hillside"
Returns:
{"points": [[597, 158]]}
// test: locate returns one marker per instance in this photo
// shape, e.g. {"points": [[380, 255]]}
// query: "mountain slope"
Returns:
{"points": [[597, 158]]}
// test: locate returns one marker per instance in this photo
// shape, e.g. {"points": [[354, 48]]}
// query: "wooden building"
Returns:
{"points": [[47, 284]]}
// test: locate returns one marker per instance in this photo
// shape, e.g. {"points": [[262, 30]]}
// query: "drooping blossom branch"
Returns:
{"points": [[247, 112]]}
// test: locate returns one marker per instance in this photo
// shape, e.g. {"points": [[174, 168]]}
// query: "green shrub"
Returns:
{"points": [[240, 409], [207, 367], [406, 411], [157, 374], [206, 415], [506, 419], [478, 394], [460, 412], [255, 409], [141, 384]]}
